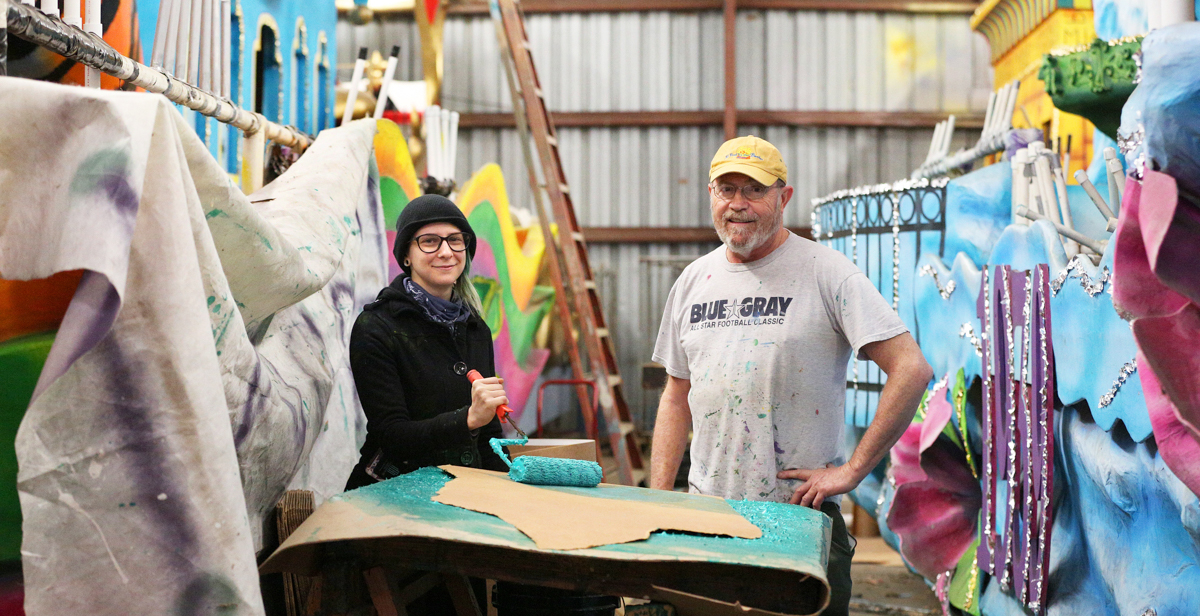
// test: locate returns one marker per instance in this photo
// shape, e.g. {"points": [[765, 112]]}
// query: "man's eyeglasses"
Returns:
{"points": [[431, 242], [752, 192]]}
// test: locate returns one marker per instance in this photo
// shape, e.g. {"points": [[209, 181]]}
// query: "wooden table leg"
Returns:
{"points": [[381, 593], [416, 588], [313, 605], [461, 594]]}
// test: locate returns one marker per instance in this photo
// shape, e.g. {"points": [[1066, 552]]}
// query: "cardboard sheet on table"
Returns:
{"points": [[562, 520]]}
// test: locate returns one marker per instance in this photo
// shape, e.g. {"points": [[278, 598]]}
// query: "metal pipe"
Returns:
{"points": [[1116, 177], [433, 141], [1173, 12], [989, 119], [1089, 188], [72, 13], [171, 42], [1006, 120], [445, 151], [932, 144], [92, 24], [195, 41], [452, 149], [947, 136], [388, 74], [1064, 204], [72, 43], [1045, 180], [226, 49], [206, 46], [160, 33], [1095, 245], [355, 82], [1020, 186], [183, 40]]}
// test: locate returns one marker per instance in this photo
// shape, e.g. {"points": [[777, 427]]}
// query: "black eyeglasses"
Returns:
{"points": [[432, 242]]}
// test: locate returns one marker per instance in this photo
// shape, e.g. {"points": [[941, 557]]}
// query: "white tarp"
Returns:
{"points": [[201, 368]]}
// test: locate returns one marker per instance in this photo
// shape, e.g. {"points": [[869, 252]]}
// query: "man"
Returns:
{"points": [[755, 338]]}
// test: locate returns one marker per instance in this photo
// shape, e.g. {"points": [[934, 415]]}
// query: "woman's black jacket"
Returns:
{"points": [[416, 403]]}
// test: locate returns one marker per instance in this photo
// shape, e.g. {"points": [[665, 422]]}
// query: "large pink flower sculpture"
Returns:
{"points": [[1156, 281], [936, 507]]}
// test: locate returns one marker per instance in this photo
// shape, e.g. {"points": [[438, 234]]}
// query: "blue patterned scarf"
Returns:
{"points": [[446, 312]]}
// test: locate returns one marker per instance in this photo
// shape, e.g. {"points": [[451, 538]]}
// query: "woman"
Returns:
{"points": [[410, 351]]}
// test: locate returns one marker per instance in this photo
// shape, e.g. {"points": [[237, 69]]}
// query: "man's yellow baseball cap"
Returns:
{"points": [[752, 156]]}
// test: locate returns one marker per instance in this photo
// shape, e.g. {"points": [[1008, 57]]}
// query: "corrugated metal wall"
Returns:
{"points": [[673, 61]]}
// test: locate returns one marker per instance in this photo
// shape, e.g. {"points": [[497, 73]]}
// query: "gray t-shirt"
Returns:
{"points": [[765, 346]]}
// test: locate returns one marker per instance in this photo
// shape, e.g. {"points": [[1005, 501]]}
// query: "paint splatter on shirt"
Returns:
{"points": [[765, 345]]}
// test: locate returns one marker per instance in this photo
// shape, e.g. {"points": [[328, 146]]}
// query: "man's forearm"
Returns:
{"points": [[670, 434], [897, 404]]}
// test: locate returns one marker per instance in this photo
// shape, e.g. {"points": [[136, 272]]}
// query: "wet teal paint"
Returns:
{"points": [[794, 538]]}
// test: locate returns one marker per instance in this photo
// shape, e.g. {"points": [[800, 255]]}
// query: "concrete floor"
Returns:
{"points": [[883, 585]]}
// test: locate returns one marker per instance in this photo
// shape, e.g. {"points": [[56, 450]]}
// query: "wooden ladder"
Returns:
{"points": [[529, 107]]}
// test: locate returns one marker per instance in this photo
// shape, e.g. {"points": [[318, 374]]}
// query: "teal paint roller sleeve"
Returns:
{"points": [[537, 470]]}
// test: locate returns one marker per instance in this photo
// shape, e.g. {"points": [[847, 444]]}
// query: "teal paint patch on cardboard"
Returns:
{"points": [[793, 536]]}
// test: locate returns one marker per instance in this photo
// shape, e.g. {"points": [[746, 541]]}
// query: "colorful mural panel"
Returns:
{"points": [[506, 267]]}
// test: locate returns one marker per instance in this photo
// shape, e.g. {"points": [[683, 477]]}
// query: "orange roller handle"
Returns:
{"points": [[502, 411]]}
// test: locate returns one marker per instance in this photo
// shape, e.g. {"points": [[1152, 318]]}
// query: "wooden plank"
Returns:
{"points": [[760, 117], [416, 588], [789, 592], [661, 235], [880, 119], [461, 594], [381, 592], [730, 116]]}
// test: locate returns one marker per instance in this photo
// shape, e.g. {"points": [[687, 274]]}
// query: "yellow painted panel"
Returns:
{"points": [[1064, 28]]}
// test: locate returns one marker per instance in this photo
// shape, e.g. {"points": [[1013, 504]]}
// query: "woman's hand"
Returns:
{"points": [[486, 395]]}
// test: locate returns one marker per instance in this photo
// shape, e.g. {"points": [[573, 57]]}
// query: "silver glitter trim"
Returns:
{"points": [[895, 252], [968, 331], [1132, 142], [1092, 287], [880, 189], [854, 258], [1126, 371], [1027, 415], [1045, 411], [989, 430], [927, 270], [1011, 505]]}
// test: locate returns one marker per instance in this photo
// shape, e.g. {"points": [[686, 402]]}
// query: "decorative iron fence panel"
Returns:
{"points": [[883, 229]]}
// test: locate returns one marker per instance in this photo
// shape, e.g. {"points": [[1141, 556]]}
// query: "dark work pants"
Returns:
{"points": [[841, 552]]}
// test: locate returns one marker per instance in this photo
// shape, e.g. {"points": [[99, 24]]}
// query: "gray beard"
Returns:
{"points": [[746, 244]]}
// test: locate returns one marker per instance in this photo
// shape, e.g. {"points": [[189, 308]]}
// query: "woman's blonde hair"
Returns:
{"points": [[465, 291]]}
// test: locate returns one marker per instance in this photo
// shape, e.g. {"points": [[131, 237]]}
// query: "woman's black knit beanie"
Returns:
{"points": [[425, 210]]}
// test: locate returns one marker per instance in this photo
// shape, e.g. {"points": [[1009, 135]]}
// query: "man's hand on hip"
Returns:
{"points": [[820, 484]]}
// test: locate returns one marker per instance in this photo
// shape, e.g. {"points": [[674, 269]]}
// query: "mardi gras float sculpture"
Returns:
{"points": [[1054, 466]]}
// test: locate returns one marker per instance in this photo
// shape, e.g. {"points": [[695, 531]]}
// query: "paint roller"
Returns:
{"points": [[538, 470]]}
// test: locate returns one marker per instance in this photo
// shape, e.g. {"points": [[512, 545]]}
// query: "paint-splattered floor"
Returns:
{"points": [[883, 585]]}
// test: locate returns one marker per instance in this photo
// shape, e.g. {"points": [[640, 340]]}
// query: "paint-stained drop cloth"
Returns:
{"points": [[201, 368]]}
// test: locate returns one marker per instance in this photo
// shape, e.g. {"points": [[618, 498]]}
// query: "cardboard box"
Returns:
{"points": [[571, 448]]}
